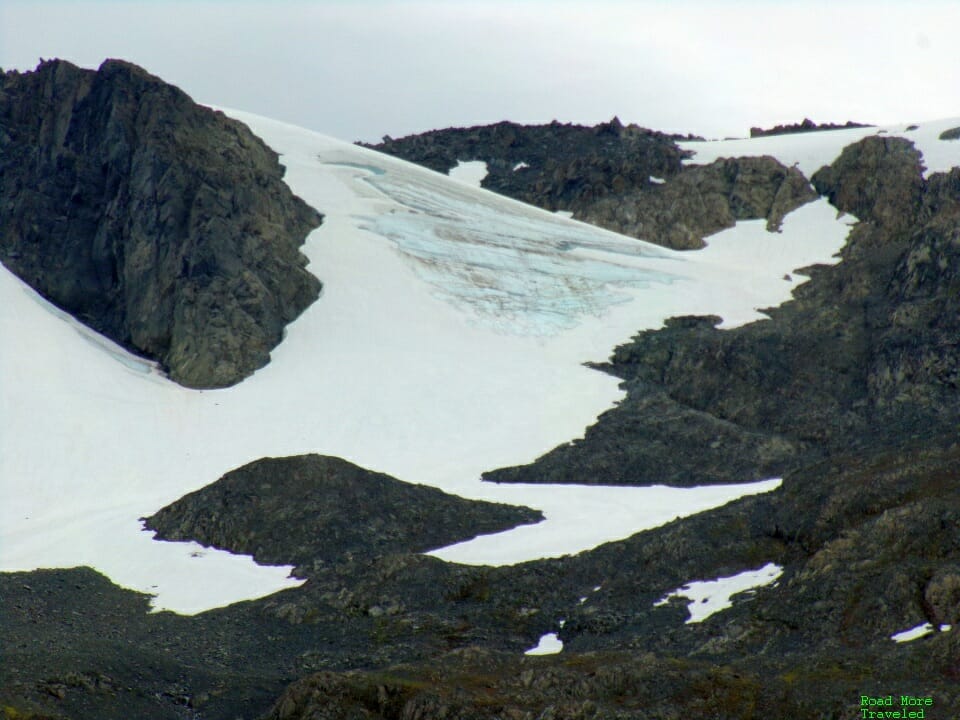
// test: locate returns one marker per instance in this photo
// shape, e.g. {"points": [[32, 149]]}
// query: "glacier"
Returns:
{"points": [[450, 339]]}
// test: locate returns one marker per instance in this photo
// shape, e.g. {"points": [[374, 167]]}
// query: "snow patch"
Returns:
{"points": [[470, 172], [657, 180], [549, 644], [520, 166], [917, 632], [580, 517], [708, 597]]}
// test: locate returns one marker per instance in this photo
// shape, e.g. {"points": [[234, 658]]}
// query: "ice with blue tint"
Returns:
{"points": [[524, 272]]}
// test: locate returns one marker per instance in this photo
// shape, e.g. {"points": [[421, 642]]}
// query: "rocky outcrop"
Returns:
{"points": [[556, 166], [161, 224], [867, 350], [878, 179], [552, 157], [951, 134], [807, 125], [315, 509], [703, 200], [624, 179]]}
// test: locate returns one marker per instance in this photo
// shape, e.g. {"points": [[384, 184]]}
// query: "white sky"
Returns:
{"points": [[359, 69]]}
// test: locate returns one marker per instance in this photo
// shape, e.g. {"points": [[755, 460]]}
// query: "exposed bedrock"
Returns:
{"points": [[805, 126], [162, 224], [622, 178], [865, 352], [951, 134], [703, 200], [315, 508]]}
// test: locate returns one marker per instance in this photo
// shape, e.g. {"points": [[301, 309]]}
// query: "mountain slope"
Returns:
{"points": [[438, 298], [450, 341]]}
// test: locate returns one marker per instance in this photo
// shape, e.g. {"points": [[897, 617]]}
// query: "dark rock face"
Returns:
{"points": [[807, 125], [877, 179], [951, 134], [161, 224], [703, 200], [865, 351], [315, 508], [563, 162], [603, 176]]}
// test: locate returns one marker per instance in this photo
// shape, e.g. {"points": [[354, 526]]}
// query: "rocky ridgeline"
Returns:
{"points": [[622, 178], [866, 350], [702, 200], [161, 224], [806, 125]]}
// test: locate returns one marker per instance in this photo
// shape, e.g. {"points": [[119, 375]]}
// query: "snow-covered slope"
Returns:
{"points": [[450, 339], [810, 151]]}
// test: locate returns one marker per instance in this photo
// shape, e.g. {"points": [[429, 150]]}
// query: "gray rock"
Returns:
{"points": [[807, 125], [703, 200], [602, 175], [951, 134], [162, 224], [314, 509], [877, 179]]}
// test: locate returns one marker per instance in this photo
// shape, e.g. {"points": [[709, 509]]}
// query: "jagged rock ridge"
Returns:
{"points": [[866, 351], [161, 224], [806, 125], [622, 178]]}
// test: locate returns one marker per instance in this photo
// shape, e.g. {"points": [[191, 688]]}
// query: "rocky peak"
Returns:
{"points": [[879, 179], [556, 166], [620, 177], [160, 223]]}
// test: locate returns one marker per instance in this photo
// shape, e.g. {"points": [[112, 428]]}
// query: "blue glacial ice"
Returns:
{"points": [[525, 272]]}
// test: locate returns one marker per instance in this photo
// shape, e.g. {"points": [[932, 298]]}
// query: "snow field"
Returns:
{"points": [[450, 339], [469, 172], [811, 151]]}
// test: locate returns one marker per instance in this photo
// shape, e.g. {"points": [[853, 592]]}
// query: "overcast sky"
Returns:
{"points": [[360, 69]]}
